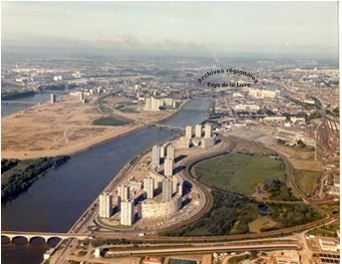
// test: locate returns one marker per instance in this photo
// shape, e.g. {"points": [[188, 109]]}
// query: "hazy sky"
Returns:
{"points": [[275, 27]]}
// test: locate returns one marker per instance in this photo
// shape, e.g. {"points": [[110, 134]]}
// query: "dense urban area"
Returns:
{"points": [[255, 181]]}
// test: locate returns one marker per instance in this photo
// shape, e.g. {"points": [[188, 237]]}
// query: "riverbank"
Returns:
{"points": [[17, 176]]}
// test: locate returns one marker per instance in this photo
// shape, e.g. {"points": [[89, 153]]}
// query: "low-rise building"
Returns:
{"points": [[328, 244]]}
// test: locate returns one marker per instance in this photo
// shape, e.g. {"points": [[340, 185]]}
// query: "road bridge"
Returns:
{"points": [[44, 235]]}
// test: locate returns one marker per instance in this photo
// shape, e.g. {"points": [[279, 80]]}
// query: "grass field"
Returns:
{"points": [[261, 222], [306, 179], [239, 172], [328, 230], [111, 121], [126, 107], [232, 177]]}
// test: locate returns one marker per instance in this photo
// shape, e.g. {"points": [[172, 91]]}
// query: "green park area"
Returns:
{"points": [[230, 214], [111, 121], [232, 179], [306, 179], [240, 173]]}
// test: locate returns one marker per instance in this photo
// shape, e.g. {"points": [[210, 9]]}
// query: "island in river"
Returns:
{"points": [[70, 125]]}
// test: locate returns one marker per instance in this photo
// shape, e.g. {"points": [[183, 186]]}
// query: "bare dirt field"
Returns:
{"points": [[63, 128], [261, 222], [314, 165]]}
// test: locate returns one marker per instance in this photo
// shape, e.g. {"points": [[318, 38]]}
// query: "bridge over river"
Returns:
{"points": [[45, 235]]}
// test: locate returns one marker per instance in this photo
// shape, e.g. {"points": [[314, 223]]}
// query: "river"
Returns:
{"points": [[11, 106], [54, 202]]}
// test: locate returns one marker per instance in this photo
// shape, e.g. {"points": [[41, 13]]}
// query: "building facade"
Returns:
{"points": [[208, 130], [127, 213], [149, 187], [53, 98], [168, 167], [155, 209], [198, 131], [105, 205], [123, 192], [166, 190], [156, 155], [188, 132], [170, 152], [152, 104]]}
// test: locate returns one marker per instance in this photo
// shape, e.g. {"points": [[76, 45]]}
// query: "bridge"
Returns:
{"points": [[44, 235]]}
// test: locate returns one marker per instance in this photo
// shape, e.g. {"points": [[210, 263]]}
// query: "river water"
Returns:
{"points": [[55, 202], [11, 106]]}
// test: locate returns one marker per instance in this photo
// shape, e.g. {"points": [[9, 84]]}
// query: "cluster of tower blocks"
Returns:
{"points": [[161, 178], [198, 137]]}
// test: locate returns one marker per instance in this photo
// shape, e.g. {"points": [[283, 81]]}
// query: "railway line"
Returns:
{"points": [[201, 249]]}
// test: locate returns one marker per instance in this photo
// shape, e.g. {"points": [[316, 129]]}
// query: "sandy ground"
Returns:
{"points": [[313, 165], [62, 128]]}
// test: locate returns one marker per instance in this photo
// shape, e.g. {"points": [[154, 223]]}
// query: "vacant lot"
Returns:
{"points": [[239, 172], [306, 180], [262, 222]]}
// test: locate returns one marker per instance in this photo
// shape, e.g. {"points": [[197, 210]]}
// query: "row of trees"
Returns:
{"points": [[279, 191], [7, 164], [228, 208], [292, 215]]}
